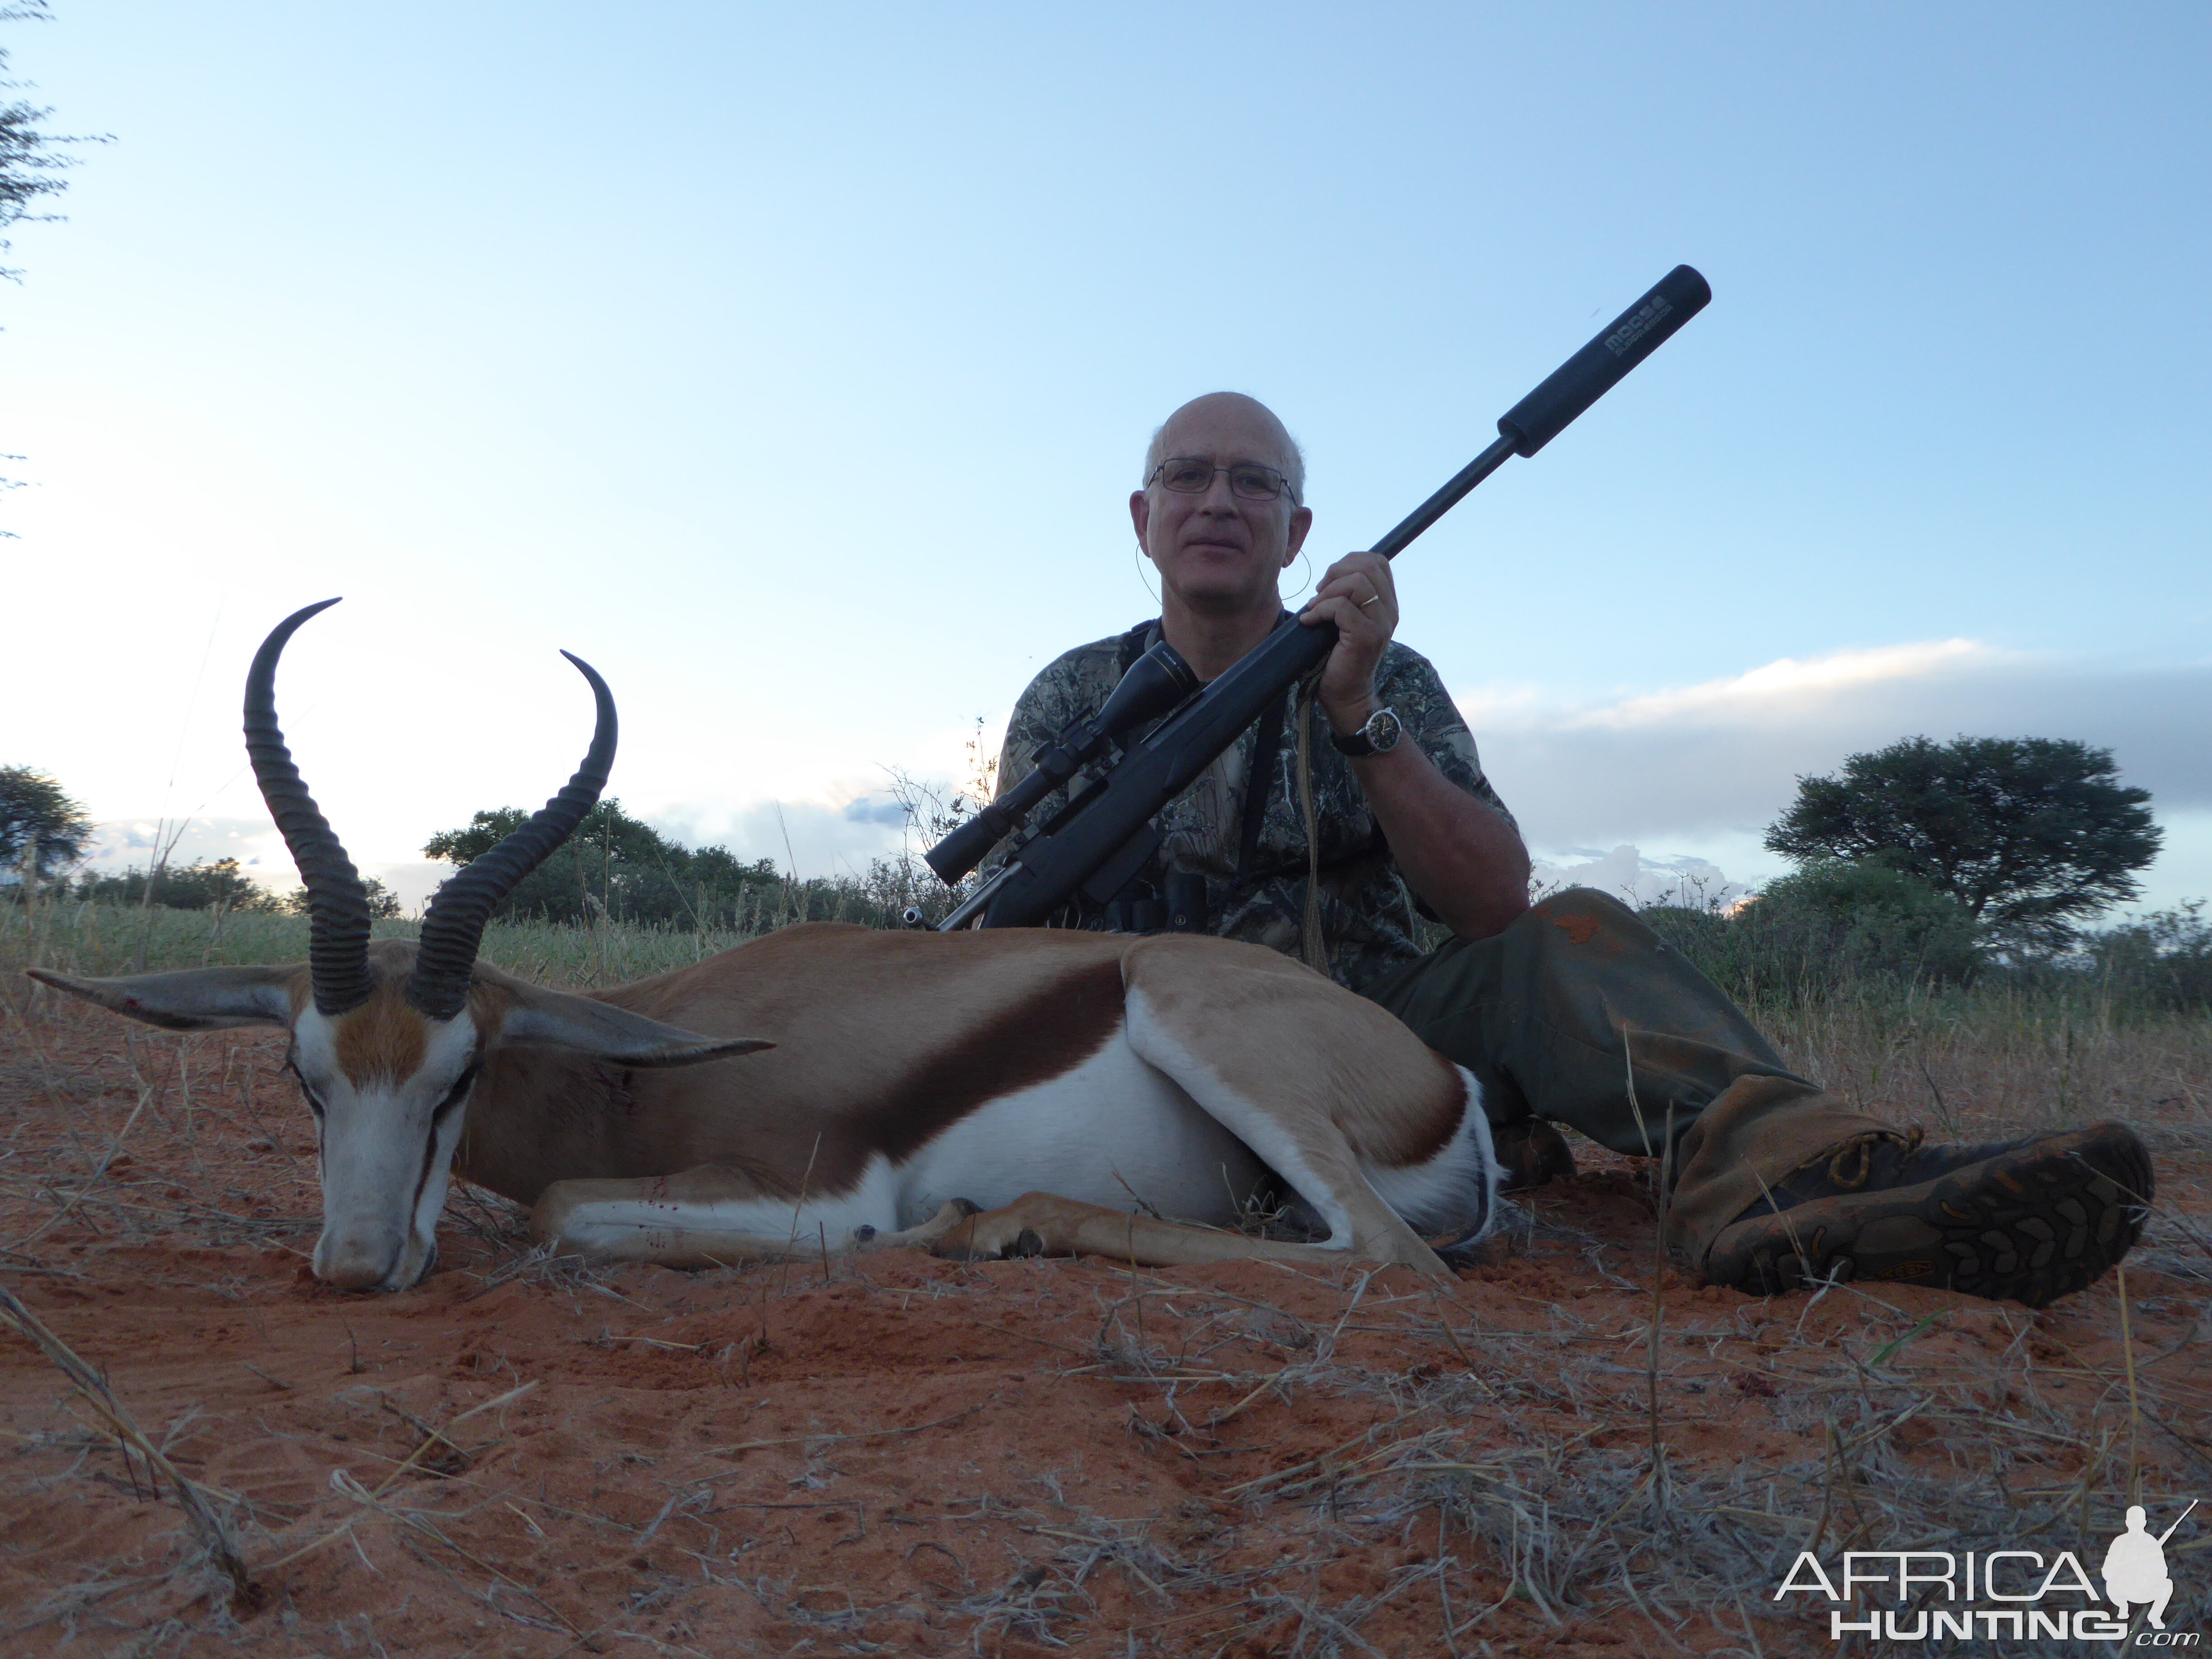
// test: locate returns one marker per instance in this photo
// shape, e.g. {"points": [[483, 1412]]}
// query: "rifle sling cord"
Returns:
{"points": [[1310, 935], [1258, 781]]}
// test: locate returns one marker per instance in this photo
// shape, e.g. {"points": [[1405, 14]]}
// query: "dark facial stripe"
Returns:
{"points": [[422, 1180], [454, 1097]]}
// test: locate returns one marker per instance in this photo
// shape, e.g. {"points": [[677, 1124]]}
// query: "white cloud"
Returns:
{"points": [[1628, 874], [1726, 753], [1788, 686], [813, 837], [138, 843], [1713, 762]]}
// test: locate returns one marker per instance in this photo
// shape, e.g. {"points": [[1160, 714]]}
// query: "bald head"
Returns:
{"points": [[1229, 423]]}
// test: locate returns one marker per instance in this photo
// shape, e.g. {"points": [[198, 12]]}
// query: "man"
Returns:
{"points": [[2134, 1568], [1320, 831]]}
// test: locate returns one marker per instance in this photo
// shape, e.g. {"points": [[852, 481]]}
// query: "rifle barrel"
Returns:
{"points": [[1402, 535], [2176, 1527]]}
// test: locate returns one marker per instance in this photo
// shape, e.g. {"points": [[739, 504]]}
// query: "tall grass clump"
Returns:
{"points": [[98, 940], [98, 937], [1881, 989]]}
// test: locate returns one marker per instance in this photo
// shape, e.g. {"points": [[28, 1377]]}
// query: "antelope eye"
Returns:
{"points": [[454, 1095]]}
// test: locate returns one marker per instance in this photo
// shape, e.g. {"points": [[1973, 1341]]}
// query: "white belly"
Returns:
{"points": [[1113, 1132]]}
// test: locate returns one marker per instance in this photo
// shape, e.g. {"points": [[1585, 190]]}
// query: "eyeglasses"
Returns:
{"points": [[1193, 475]]}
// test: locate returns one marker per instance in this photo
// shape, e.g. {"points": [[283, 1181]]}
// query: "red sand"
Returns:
{"points": [[908, 1456]]}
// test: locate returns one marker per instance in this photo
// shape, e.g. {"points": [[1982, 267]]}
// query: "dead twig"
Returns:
{"points": [[115, 1420]]}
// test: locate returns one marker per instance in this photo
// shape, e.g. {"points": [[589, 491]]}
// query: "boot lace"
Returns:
{"points": [[1851, 1165]]}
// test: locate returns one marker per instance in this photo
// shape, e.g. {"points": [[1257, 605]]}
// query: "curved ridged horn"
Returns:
{"points": [[338, 903], [454, 927]]}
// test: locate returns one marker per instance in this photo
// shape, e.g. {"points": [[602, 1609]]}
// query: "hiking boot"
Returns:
{"points": [[2027, 1221], [1531, 1153]]}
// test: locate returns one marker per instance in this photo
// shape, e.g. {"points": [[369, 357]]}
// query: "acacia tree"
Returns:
{"points": [[30, 164], [29, 161], [38, 823], [2030, 835]]}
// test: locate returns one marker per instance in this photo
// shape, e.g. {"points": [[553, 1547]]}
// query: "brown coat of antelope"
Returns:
{"points": [[981, 1094]]}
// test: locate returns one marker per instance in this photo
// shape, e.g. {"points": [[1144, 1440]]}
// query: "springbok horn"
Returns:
{"points": [[338, 903], [454, 927]]}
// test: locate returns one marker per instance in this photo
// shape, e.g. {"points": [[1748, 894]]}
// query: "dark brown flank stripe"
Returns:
{"points": [[589, 1107], [1050, 1033], [1429, 1134]]}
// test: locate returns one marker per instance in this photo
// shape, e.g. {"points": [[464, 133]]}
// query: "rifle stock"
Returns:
{"points": [[1106, 831]]}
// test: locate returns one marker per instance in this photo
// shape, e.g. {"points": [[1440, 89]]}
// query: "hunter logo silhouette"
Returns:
{"points": [[2135, 1566]]}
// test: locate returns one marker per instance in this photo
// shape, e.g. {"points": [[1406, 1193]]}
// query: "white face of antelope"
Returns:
{"points": [[389, 1089], [390, 1086], [387, 1081]]}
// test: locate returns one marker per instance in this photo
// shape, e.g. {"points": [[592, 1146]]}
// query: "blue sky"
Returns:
{"points": [[793, 364]]}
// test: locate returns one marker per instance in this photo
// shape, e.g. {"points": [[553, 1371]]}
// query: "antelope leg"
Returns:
{"points": [[707, 1217], [1040, 1223]]}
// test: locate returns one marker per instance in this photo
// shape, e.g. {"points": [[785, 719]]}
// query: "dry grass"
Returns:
{"points": [[1995, 1054], [102, 940]]}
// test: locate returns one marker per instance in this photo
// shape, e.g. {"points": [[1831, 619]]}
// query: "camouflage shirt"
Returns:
{"points": [[1366, 910]]}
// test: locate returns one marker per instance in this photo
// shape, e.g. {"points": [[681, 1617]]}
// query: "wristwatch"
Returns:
{"points": [[1378, 737]]}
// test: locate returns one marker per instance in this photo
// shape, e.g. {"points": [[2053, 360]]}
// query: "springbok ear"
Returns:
{"points": [[196, 999], [589, 1026]]}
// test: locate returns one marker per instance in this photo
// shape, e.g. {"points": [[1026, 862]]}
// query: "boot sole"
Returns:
{"points": [[2029, 1225]]}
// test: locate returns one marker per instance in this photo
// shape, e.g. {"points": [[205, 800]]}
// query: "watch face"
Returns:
{"points": [[1382, 729]]}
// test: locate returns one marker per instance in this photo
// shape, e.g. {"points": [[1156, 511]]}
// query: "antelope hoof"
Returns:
{"points": [[953, 1212], [1000, 1236]]}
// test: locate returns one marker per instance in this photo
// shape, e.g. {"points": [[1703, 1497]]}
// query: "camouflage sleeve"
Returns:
{"points": [[1065, 690], [1028, 730], [1408, 682]]}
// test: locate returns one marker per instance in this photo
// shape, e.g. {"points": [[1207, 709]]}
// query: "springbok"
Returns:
{"points": [[981, 1093]]}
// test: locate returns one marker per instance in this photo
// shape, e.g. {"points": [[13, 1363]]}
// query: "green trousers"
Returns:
{"points": [[1580, 1013]]}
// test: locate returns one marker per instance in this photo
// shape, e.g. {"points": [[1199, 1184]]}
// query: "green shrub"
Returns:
{"points": [[616, 866], [199, 886], [2163, 960], [1867, 918], [1828, 923]]}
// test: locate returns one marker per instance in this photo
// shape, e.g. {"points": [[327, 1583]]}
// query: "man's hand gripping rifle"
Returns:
{"points": [[1104, 834]]}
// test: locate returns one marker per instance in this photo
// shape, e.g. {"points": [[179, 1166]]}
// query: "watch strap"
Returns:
{"points": [[1378, 736]]}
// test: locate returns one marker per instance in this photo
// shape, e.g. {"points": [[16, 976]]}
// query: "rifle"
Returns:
{"points": [[2176, 1527], [1099, 840]]}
